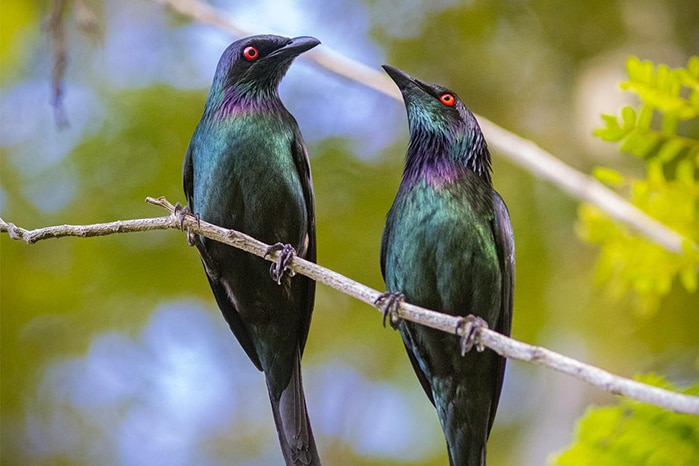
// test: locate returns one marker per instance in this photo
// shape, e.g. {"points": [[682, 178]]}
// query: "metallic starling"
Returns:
{"points": [[448, 246], [247, 169]]}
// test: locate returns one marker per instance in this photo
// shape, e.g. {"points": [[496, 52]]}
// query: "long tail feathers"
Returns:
{"points": [[293, 424]]}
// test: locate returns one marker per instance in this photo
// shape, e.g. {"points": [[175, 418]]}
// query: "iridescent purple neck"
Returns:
{"points": [[436, 171], [233, 103], [440, 158]]}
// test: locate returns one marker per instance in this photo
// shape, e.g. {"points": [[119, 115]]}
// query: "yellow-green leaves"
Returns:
{"points": [[662, 87], [627, 262], [668, 96], [634, 434]]}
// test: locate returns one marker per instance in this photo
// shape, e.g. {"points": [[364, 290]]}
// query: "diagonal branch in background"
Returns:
{"points": [[503, 345], [520, 151]]}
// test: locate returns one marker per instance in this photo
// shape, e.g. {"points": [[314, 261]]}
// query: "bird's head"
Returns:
{"points": [[251, 68], [440, 124]]}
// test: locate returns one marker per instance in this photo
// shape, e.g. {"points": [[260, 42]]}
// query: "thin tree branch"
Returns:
{"points": [[520, 151], [483, 337], [85, 231], [56, 28]]}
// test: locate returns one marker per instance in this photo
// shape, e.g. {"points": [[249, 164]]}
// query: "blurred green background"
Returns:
{"points": [[112, 349]]}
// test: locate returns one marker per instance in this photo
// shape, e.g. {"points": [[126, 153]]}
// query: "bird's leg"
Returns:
{"points": [[388, 303], [181, 212], [468, 327], [195, 240], [277, 269]]}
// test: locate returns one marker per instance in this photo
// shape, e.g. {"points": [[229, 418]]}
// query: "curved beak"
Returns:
{"points": [[401, 78], [296, 47]]}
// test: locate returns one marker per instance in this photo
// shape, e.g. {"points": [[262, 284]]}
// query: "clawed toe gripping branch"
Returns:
{"points": [[468, 329], [181, 212], [389, 304], [472, 331], [285, 253]]}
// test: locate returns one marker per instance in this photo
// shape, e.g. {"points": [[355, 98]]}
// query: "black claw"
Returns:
{"points": [[388, 303], [469, 327], [286, 254], [181, 212]]}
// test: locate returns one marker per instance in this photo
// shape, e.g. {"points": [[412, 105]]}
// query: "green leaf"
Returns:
{"points": [[694, 154], [669, 150], [688, 278], [612, 131], [608, 176], [693, 66], [663, 77], [684, 172], [634, 433], [640, 143], [670, 124], [628, 115], [645, 117]]}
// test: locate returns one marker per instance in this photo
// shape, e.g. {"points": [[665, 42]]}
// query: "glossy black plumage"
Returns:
{"points": [[448, 245], [247, 168]]}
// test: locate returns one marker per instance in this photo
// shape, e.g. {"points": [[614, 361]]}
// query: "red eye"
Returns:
{"points": [[251, 53], [447, 99]]}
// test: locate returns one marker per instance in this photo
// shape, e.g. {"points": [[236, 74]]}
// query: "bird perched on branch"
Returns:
{"points": [[247, 169], [448, 245]]}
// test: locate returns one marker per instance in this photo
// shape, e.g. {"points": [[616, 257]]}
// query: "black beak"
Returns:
{"points": [[401, 78], [296, 47], [405, 82]]}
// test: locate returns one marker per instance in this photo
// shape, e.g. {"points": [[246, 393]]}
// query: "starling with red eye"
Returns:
{"points": [[247, 168], [448, 245]]}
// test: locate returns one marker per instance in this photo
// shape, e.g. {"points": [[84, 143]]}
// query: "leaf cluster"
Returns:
{"points": [[634, 433], [659, 132]]}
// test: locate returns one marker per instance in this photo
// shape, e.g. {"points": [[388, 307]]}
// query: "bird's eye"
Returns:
{"points": [[447, 99], [251, 53]]}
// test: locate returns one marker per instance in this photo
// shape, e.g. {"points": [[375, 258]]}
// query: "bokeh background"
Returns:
{"points": [[112, 349]]}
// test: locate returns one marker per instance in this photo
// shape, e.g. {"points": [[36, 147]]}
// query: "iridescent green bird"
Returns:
{"points": [[247, 169], [448, 245]]}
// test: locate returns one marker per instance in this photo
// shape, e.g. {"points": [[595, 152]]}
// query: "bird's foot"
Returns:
{"points": [[286, 253], [468, 327], [181, 212], [388, 303]]}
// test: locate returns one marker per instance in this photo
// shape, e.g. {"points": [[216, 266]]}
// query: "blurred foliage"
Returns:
{"points": [[16, 16], [670, 193], [516, 62], [635, 434]]}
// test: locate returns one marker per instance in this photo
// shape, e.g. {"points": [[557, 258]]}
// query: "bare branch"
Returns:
{"points": [[520, 151], [56, 29], [85, 231], [503, 345]]}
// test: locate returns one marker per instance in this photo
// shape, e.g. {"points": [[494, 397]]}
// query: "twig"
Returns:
{"points": [[56, 29], [88, 24], [520, 151], [85, 231], [503, 345]]}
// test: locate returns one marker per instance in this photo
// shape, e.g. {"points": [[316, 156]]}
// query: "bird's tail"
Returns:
{"points": [[293, 424]]}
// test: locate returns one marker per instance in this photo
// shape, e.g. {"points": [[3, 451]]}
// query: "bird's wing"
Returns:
{"points": [[384, 247], [222, 299], [231, 314], [406, 327], [188, 176], [505, 245], [410, 346], [303, 166]]}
